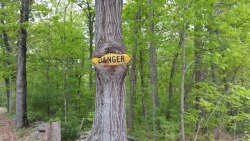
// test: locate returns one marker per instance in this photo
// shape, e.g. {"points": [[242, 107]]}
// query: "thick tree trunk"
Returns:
{"points": [[53, 131], [110, 118], [153, 69], [21, 105], [152, 59], [133, 75]]}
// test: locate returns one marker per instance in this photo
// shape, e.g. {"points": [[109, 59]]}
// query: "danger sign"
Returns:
{"points": [[112, 59]]}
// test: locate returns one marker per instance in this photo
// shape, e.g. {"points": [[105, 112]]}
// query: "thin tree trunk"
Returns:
{"points": [[8, 78], [66, 61], [9, 94], [6, 40], [213, 73], [110, 118], [91, 37], [64, 94], [78, 106], [182, 44], [48, 94], [144, 107], [171, 85], [133, 75], [48, 86], [199, 72], [21, 82]]}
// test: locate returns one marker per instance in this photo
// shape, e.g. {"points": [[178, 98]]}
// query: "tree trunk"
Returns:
{"points": [[9, 94], [171, 85], [213, 73], [91, 16], [133, 75], [152, 59], [110, 118], [182, 44], [143, 86], [21, 105], [8, 79], [64, 91], [48, 86], [199, 72], [152, 64], [53, 131], [66, 63]]}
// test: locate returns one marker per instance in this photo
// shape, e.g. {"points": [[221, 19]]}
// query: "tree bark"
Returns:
{"points": [[53, 131], [21, 82], [110, 118], [152, 64], [152, 58]]}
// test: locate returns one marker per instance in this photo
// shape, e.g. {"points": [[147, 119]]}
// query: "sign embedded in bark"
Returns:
{"points": [[111, 59]]}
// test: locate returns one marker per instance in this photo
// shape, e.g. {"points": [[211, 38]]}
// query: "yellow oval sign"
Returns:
{"points": [[112, 59]]}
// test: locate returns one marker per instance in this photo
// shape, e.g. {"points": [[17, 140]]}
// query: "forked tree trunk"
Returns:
{"points": [[21, 88], [110, 119]]}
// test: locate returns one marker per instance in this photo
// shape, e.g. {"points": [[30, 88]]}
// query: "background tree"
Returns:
{"points": [[133, 72], [8, 67], [21, 82]]}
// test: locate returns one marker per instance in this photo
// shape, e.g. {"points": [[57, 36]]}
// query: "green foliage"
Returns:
{"points": [[70, 129], [58, 65], [170, 129], [3, 100], [246, 136]]}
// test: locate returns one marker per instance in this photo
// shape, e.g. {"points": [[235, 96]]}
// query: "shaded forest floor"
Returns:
{"points": [[7, 130]]}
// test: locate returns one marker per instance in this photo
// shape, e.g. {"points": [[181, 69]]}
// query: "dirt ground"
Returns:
{"points": [[7, 131]]}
